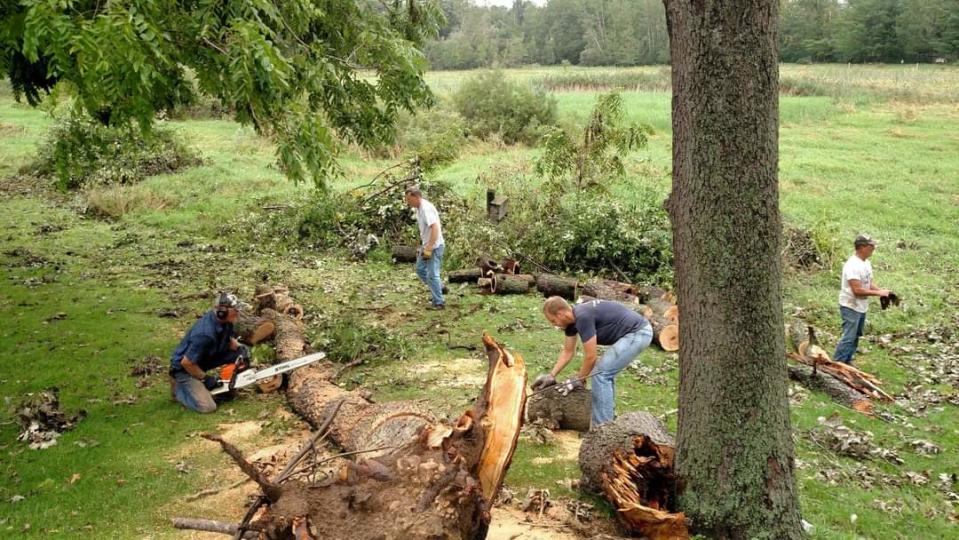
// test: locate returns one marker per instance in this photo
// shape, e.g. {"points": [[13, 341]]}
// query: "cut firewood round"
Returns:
{"points": [[665, 333], [509, 284], [252, 329]]}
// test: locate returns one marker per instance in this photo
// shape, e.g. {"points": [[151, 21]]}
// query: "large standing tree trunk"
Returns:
{"points": [[734, 446]]}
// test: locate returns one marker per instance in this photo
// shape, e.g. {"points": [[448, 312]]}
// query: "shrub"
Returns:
{"points": [[586, 232], [432, 136], [492, 104], [79, 151]]}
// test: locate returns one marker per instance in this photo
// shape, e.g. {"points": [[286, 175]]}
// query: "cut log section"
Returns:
{"points": [[608, 289], [552, 285], [510, 266], [503, 284], [665, 333], [664, 309], [630, 461], [651, 292], [404, 254], [252, 329], [468, 275], [427, 480], [488, 266], [556, 411]]}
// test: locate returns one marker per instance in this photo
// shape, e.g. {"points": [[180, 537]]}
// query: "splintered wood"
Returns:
{"points": [[630, 461], [407, 475], [844, 383]]}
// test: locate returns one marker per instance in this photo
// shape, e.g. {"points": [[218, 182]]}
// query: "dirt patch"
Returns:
{"points": [[455, 373], [512, 523], [568, 443]]}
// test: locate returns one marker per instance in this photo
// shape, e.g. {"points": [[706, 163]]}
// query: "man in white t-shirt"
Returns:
{"points": [[854, 292], [429, 257]]}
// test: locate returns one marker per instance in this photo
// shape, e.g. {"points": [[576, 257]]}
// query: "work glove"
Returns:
{"points": [[210, 382], [891, 298], [544, 380], [569, 385], [427, 253]]}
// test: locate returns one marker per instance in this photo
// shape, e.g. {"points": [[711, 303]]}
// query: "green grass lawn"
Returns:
{"points": [[851, 163]]}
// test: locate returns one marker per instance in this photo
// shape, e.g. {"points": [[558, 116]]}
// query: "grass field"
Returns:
{"points": [[80, 298]]}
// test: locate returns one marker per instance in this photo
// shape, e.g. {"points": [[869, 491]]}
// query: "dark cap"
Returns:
{"points": [[227, 300], [864, 240]]}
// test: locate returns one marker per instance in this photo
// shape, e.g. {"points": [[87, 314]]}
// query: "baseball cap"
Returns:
{"points": [[864, 240], [227, 300]]}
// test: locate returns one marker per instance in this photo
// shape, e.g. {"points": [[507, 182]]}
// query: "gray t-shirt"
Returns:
{"points": [[608, 321]]}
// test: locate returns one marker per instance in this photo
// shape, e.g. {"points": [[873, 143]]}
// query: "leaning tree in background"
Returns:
{"points": [[305, 74], [734, 446]]}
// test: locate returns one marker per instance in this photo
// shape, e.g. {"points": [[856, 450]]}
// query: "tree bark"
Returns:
{"points": [[630, 461], [556, 411], [551, 285], [404, 254], [252, 329], [608, 289], [425, 478], [734, 449], [665, 333], [467, 275]]}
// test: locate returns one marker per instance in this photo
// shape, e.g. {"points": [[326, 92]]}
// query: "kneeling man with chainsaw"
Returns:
{"points": [[210, 343], [598, 322]]}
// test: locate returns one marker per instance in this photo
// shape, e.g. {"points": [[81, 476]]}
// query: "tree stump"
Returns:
{"points": [[556, 411], [630, 461], [404, 254]]}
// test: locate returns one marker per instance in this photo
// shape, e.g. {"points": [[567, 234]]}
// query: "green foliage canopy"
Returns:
{"points": [[305, 73]]}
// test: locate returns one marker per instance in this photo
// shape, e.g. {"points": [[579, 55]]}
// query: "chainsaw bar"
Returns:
{"points": [[251, 376]]}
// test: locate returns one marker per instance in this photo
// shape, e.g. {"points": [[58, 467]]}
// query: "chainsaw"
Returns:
{"points": [[238, 377]]}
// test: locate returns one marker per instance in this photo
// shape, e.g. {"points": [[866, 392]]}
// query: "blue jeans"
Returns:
{"points": [[853, 324], [429, 272], [614, 360], [192, 394]]}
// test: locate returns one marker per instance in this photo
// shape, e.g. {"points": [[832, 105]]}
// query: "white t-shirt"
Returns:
{"points": [[426, 216], [855, 268]]}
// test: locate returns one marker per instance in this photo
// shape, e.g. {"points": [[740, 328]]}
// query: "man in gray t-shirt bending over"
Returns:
{"points": [[598, 322]]}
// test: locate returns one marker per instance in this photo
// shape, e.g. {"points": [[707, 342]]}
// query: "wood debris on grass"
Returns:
{"points": [[42, 420]]}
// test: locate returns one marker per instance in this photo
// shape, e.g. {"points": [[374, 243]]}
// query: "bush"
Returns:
{"points": [[586, 232], [79, 151], [492, 104], [432, 136]]}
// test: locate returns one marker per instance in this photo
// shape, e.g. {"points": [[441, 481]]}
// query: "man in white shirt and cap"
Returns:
{"points": [[854, 292], [429, 257]]}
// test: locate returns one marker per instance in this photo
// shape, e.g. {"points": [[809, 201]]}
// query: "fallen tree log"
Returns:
{"points": [[608, 289], [432, 480], [665, 333], [552, 285], [209, 525], [510, 266], [467, 275], [508, 284], [404, 254], [556, 411], [252, 329], [818, 381], [807, 351], [630, 461], [648, 292]]}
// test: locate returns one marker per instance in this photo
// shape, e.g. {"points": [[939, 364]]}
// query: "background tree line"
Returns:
{"points": [[633, 32]]}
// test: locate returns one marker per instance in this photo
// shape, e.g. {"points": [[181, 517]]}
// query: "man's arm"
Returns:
{"points": [[569, 349], [434, 236], [191, 368], [859, 290], [589, 358]]}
